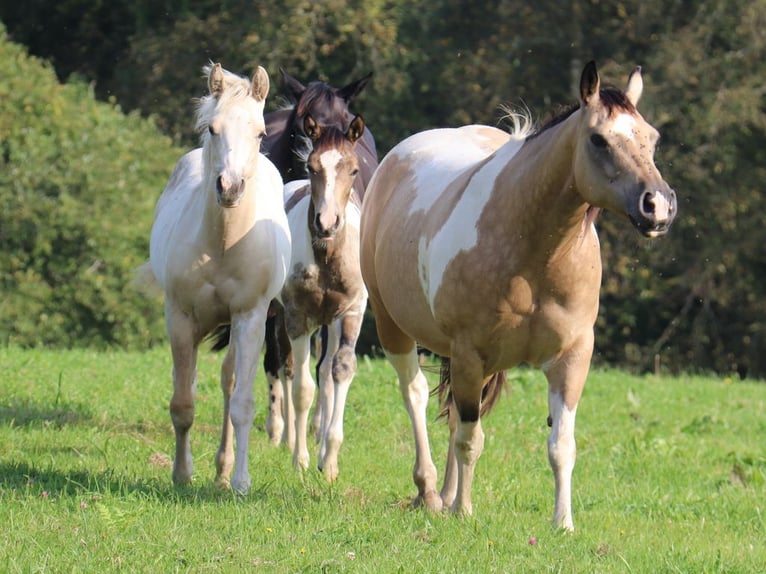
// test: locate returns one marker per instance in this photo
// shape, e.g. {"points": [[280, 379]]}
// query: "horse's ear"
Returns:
{"points": [[295, 88], [349, 92], [355, 129], [589, 84], [635, 86], [311, 128], [215, 82], [259, 87]]}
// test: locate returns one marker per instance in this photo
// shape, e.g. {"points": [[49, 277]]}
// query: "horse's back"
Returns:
{"points": [[175, 202], [415, 191]]}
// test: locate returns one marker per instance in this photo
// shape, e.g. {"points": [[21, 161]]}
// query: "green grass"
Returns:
{"points": [[670, 477]]}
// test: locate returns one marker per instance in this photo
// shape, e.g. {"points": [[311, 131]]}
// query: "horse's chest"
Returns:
{"points": [[320, 294]]}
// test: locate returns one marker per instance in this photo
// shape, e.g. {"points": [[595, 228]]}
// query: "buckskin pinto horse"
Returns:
{"points": [[220, 249], [482, 248], [324, 286], [288, 146]]}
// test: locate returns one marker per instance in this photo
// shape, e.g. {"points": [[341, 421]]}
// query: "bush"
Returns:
{"points": [[78, 184]]}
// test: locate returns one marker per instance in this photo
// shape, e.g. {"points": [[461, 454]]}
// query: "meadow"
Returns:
{"points": [[670, 477]]}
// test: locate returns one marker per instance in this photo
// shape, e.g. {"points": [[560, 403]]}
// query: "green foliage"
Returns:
{"points": [[693, 300], [77, 189], [669, 478]]}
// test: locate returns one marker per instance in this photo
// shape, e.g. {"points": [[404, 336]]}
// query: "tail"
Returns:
{"points": [[489, 393], [146, 282], [220, 337]]}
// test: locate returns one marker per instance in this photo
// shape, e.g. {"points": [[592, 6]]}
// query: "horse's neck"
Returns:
{"points": [[277, 144], [224, 227], [537, 186]]}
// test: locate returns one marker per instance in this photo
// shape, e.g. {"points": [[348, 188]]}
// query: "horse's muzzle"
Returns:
{"points": [[655, 211], [229, 194]]}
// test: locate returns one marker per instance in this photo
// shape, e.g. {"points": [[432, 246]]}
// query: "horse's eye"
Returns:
{"points": [[354, 172], [261, 135], [212, 130], [599, 141]]}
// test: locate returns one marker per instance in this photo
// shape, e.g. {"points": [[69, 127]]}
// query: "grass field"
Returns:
{"points": [[671, 477]]}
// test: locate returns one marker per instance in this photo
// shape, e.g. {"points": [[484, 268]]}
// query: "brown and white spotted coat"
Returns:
{"points": [[324, 285], [480, 247]]}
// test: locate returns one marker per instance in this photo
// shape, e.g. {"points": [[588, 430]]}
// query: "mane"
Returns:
{"points": [[331, 138], [519, 121], [613, 99], [236, 88], [316, 93]]}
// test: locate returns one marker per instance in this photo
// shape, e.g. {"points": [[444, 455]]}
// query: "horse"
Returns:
{"points": [[324, 286], [481, 246], [220, 250], [288, 146]]}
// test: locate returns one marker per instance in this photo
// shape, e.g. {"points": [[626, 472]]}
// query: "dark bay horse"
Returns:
{"points": [[220, 251], [288, 146], [481, 247]]}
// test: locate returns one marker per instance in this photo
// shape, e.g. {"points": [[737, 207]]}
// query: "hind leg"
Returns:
{"points": [[401, 352], [466, 384], [566, 379]]}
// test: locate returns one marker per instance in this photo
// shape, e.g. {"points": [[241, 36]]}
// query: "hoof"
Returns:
{"points": [[330, 472], [431, 501], [222, 483]]}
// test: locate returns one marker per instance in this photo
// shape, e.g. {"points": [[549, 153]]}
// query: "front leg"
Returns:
{"points": [[224, 458], [566, 379], [343, 371], [183, 346], [247, 334], [303, 396]]}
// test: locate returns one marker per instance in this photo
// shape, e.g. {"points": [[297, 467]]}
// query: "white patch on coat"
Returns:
{"points": [[439, 156], [459, 233], [624, 125], [329, 161]]}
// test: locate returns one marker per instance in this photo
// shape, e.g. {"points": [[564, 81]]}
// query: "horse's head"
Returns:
{"points": [[230, 120], [327, 106], [614, 165], [332, 166]]}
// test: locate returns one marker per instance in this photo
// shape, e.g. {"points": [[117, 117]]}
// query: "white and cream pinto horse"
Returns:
{"points": [[480, 247], [220, 250]]}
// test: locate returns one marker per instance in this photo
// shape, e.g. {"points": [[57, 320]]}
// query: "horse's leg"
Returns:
{"points": [[183, 346], [303, 396], [566, 379], [414, 388], [343, 371], [402, 353], [449, 488], [247, 335], [272, 363], [320, 350], [224, 458], [286, 372], [330, 337], [466, 383]]}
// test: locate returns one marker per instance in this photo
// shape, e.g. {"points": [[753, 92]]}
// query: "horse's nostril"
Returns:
{"points": [[647, 203]]}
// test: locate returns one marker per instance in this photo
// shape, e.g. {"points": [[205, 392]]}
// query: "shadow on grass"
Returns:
{"points": [[54, 483], [27, 414]]}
